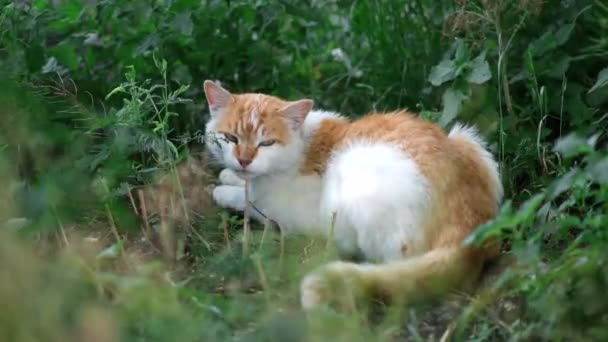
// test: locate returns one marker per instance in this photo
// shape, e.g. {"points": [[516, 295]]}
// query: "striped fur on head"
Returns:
{"points": [[256, 133]]}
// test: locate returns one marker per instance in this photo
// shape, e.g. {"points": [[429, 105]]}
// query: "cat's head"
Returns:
{"points": [[254, 133]]}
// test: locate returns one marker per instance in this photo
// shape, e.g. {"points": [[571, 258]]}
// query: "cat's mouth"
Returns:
{"points": [[241, 173], [244, 173]]}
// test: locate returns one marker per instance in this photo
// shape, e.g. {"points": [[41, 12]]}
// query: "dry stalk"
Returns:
{"points": [[246, 214], [330, 236], [180, 189], [266, 228], [167, 229], [226, 235], [144, 213], [110, 217], [447, 334], [132, 200], [61, 228], [282, 247], [306, 251], [112, 224], [194, 232], [261, 274]]}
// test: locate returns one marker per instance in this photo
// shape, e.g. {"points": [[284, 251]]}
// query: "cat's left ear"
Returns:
{"points": [[217, 97], [297, 111]]}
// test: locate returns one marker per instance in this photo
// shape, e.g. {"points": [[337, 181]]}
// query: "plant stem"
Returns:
{"points": [[246, 214]]}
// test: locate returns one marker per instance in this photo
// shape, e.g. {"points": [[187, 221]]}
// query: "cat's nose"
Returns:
{"points": [[244, 162]]}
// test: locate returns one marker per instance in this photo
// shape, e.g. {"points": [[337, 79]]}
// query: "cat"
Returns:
{"points": [[391, 187]]}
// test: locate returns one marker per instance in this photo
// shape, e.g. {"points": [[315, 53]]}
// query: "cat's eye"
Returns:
{"points": [[267, 142], [231, 138]]}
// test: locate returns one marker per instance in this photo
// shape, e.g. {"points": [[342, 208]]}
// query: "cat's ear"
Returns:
{"points": [[297, 111], [217, 97]]}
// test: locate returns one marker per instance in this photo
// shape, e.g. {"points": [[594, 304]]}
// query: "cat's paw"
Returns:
{"points": [[337, 285], [229, 177], [229, 196]]}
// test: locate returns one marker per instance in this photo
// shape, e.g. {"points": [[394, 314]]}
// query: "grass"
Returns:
{"points": [[108, 231]]}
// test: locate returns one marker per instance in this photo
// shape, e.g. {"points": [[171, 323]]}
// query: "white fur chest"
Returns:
{"points": [[380, 200], [292, 200]]}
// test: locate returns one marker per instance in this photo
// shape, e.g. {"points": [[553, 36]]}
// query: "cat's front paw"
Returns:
{"points": [[229, 196], [229, 177], [337, 284]]}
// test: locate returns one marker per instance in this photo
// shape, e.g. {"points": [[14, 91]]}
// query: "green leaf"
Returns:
{"points": [[182, 89], [111, 252], [119, 89], [480, 70], [562, 184], [90, 58], [183, 23], [599, 170], [550, 40], [66, 55], [50, 66], [528, 208], [452, 102], [454, 63], [491, 228], [442, 72], [70, 10], [602, 80], [430, 115], [542, 44], [41, 4], [180, 5], [573, 144], [462, 53], [558, 68], [506, 219], [563, 34]]}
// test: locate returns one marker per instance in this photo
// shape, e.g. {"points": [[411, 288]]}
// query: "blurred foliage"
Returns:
{"points": [[97, 97]]}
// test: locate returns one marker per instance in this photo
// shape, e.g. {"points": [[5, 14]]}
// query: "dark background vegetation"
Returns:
{"points": [[98, 97]]}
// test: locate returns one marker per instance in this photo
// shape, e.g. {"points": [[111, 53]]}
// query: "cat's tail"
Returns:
{"points": [[468, 138], [405, 281]]}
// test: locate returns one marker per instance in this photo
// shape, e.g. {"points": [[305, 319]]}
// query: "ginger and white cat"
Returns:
{"points": [[400, 191]]}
